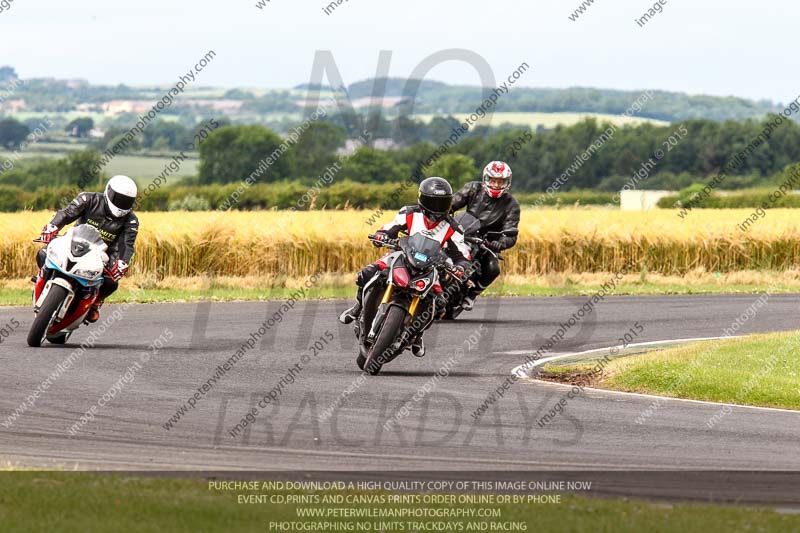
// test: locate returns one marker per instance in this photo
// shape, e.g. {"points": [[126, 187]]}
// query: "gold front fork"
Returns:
{"points": [[388, 294], [413, 307]]}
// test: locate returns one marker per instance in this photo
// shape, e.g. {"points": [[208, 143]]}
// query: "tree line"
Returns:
{"points": [[672, 157], [659, 157]]}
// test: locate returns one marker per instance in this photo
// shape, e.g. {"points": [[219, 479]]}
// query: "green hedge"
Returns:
{"points": [[568, 198], [283, 195], [744, 199]]}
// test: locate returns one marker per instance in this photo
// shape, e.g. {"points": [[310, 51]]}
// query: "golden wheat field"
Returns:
{"points": [[299, 244]]}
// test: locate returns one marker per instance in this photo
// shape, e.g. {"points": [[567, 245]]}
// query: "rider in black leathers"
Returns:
{"points": [[431, 216], [490, 201], [111, 213]]}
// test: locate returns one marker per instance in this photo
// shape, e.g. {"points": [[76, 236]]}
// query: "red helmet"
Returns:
{"points": [[496, 170]]}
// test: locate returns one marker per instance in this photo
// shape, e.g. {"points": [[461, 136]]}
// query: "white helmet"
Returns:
{"points": [[120, 195], [493, 172]]}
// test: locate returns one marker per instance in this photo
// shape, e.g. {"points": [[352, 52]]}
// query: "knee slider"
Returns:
{"points": [[493, 268], [489, 271]]}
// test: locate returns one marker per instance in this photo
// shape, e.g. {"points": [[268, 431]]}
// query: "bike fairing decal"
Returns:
{"points": [[85, 283], [82, 308]]}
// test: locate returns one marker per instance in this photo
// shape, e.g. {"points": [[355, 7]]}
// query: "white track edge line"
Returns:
{"points": [[521, 370]]}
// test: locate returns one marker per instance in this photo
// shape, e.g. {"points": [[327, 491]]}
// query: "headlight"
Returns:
{"points": [[52, 254], [86, 274]]}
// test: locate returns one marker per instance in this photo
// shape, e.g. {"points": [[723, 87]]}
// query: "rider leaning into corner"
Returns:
{"points": [[490, 201], [430, 216], [111, 212]]}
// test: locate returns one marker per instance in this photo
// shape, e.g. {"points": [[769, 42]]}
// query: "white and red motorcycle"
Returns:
{"points": [[68, 284]]}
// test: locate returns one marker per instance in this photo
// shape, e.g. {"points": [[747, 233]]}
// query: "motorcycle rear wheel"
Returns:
{"points": [[58, 339], [451, 313]]}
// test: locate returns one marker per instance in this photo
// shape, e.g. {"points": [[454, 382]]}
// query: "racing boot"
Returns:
{"points": [[351, 314], [418, 346], [94, 313], [472, 295], [469, 303]]}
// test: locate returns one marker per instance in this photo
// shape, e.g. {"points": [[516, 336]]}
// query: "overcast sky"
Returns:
{"points": [[737, 47]]}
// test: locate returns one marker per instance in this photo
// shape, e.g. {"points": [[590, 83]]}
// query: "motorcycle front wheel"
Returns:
{"points": [[391, 328], [46, 315]]}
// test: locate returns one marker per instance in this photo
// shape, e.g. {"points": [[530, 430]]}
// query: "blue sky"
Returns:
{"points": [[737, 47]]}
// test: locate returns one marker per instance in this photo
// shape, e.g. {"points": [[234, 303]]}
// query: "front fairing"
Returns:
{"points": [[79, 254], [421, 252], [470, 225], [419, 270]]}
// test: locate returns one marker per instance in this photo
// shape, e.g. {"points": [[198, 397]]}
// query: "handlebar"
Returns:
{"points": [[481, 242], [395, 245], [385, 243], [453, 271], [482, 246]]}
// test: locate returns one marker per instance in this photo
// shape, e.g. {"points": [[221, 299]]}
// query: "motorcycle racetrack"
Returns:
{"points": [[265, 386]]}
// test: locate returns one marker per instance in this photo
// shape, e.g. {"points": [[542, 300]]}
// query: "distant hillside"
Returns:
{"points": [[440, 98], [280, 108], [547, 120]]}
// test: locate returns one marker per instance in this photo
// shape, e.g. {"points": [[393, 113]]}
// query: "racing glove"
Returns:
{"points": [[48, 233], [494, 246], [118, 269], [459, 271], [379, 238]]}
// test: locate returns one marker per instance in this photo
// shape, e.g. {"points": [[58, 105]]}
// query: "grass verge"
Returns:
{"points": [[175, 289], [760, 370], [83, 502]]}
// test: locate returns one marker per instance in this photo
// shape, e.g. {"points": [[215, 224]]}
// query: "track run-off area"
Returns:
{"points": [[197, 386]]}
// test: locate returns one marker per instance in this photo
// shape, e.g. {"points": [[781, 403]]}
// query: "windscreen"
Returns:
{"points": [[421, 251], [469, 223], [83, 238]]}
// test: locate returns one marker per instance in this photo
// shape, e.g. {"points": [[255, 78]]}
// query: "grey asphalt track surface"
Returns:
{"points": [[597, 430]]}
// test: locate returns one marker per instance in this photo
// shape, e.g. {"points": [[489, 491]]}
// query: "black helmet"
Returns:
{"points": [[435, 198]]}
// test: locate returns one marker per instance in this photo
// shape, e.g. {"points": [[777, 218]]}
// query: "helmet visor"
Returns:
{"points": [[497, 183], [120, 201], [438, 205]]}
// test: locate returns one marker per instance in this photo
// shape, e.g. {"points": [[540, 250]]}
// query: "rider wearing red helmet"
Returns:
{"points": [[431, 216], [490, 201]]}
